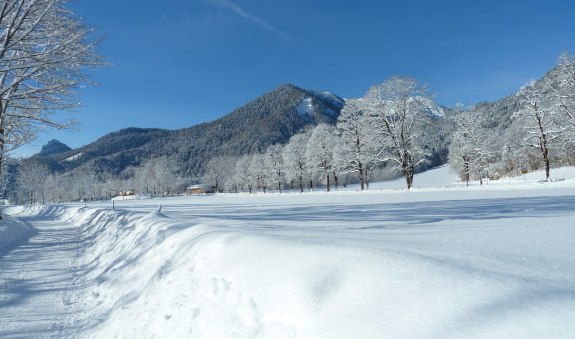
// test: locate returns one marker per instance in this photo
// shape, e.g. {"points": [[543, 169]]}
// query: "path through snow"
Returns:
{"points": [[37, 281]]}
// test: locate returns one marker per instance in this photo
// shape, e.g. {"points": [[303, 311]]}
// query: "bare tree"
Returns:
{"points": [[471, 147], [538, 119], [565, 92], [54, 188], [356, 136], [294, 156], [44, 53], [566, 69], [398, 108], [275, 165], [31, 176], [319, 152], [217, 170], [243, 176], [258, 172]]}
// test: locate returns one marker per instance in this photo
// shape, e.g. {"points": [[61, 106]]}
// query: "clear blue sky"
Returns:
{"points": [[177, 63]]}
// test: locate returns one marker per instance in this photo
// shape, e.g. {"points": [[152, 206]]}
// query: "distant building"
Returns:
{"points": [[126, 193], [196, 189]]}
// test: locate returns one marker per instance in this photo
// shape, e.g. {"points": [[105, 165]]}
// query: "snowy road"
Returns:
{"points": [[36, 282]]}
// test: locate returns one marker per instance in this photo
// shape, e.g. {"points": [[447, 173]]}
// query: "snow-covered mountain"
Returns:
{"points": [[268, 119], [434, 110]]}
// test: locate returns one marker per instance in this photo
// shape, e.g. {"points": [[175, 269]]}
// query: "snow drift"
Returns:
{"points": [[13, 232]]}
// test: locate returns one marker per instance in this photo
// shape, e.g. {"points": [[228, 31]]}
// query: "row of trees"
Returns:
{"points": [[389, 127], [541, 133], [37, 185]]}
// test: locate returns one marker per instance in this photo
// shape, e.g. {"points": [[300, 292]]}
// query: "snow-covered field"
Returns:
{"points": [[440, 261]]}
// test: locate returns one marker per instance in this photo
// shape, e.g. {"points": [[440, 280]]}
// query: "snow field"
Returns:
{"points": [[485, 262]]}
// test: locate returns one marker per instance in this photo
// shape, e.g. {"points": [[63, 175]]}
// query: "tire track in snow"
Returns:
{"points": [[38, 290]]}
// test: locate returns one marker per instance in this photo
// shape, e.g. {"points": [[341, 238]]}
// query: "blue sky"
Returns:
{"points": [[177, 63]]}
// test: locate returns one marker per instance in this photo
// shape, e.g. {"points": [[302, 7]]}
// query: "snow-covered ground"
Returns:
{"points": [[13, 232], [439, 261]]}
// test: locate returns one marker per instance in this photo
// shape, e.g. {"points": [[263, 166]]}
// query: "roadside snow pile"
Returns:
{"points": [[13, 232]]}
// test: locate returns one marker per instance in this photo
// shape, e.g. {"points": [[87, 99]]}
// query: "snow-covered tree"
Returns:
{"points": [[44, 52], [356, 153], [340, 162], [294, 157], [275, 165], [398, 109], [565, 94], [168, 181], [566, 85], [110, 186], [243, 176], [217, 170], [259, 172], [146, 176], [538, 120], [319, 154], [31, 176], [471, 147]]}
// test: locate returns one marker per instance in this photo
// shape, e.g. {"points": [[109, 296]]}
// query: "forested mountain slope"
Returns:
{"points": [[271, 118]]}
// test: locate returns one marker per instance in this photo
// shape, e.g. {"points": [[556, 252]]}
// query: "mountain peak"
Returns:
{"points": [[54, 147], [289, 87]]}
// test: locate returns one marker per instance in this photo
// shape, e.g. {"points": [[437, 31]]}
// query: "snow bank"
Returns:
{"points": [[13, 232]]}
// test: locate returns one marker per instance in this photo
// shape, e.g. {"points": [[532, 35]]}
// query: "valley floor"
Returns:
{"points": [[440, 261]]}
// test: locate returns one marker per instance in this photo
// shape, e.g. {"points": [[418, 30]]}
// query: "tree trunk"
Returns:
{"points": [[408, 173], [543, 145], [335, 181], [408, 169], [361, 178], [366, 178], [1, 149], [547, 163], [466, 169]]}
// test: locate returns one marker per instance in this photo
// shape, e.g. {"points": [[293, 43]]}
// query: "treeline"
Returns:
{"points": [[35, 183], [531, 130]]}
